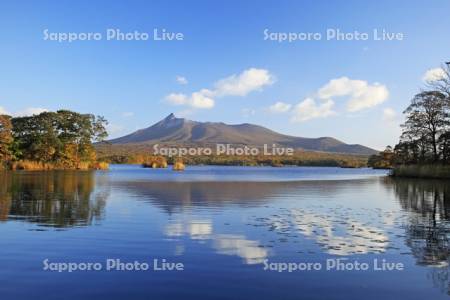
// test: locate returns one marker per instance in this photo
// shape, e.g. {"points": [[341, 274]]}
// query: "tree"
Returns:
{"points": [[406, 152], [383, 160], [426, 118], [99, 125], [63, 137], [6, 138], [444, 145], [36, 137], [441, 83]]}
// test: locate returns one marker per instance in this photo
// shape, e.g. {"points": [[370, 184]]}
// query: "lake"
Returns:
{"points": [[236, 233]]}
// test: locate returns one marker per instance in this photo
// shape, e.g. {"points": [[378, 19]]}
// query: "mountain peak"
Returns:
{"points": [[170, 117], [170, 120], [181, 131]]}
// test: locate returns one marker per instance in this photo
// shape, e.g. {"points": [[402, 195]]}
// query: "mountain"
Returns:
{"points": [[173, 130]]}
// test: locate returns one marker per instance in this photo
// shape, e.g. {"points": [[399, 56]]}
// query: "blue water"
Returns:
{"points": [[232, 173], [223, 224]]}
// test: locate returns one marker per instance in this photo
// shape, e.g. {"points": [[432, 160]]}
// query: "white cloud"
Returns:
{"points": [[181, 79], [280, 107], [240, 85], [340, 87], [128, 114], [200, 99], [371, 96], [310, 109], [433, 75], [29, 111], [360, 93], [4, 111], [389, 115], [177, 99], [234, 85]]}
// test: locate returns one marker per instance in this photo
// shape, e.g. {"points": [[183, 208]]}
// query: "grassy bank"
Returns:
{"points": [[30, 165], [422, 171]]}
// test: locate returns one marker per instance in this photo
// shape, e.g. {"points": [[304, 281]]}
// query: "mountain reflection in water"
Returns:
{"points": [[261, 220]]}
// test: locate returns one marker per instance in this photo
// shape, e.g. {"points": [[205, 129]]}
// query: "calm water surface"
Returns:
{"points": [[223, 223]]}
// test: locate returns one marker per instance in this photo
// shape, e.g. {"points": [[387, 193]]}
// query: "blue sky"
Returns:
{"points": [[352, 90]]}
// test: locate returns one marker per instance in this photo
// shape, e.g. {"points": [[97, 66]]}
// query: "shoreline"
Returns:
{"points": [[421, 171], [27, 165]]}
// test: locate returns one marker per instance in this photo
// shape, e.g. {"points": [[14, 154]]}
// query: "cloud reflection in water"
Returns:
{"points": [[226, 244]]}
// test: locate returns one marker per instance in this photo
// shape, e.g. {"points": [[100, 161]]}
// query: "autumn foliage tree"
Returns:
{"points": [[63, 137], [383, 160], [6, 138]]}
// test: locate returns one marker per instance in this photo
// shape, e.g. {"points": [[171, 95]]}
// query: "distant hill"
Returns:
{"points": [[179, 131]]}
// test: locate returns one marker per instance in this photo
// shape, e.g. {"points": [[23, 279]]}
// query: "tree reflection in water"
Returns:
{"points": [[71, 198], [54, 199], [427, 229]]}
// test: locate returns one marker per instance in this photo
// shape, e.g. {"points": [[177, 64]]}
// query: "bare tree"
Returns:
{"points": [[427, 116], [442, 84]]}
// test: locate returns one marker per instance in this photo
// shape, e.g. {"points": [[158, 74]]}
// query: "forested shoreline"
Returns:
{"points": [[51, 140], [69, 140], [141, 154], [424, 146]]}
